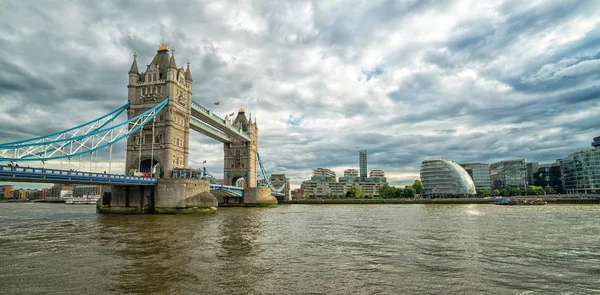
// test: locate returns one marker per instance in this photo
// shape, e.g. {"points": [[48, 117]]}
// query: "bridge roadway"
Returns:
{"points": [[28, 174], [209, 124]]}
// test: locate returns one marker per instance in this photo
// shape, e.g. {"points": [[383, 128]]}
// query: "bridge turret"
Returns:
{"points": [[166, 146], [134, 73], [188, 73], [172, 68]]}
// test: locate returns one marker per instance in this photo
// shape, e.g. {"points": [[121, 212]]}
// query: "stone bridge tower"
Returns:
{"points": [[169, 147], [240, 157]]}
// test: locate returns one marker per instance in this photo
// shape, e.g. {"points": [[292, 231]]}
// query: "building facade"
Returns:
{"points": [[362, 160], [581, 171], [532, 169], [549, 176], [6, 191], [87, 190], [509, 174], [480, 174], [445, 178], [350, 173]]}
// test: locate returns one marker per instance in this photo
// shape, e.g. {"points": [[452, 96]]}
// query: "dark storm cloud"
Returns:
{"points": [[406, 80]]}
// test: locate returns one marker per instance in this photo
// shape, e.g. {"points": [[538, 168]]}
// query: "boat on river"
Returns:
{"points": [[510, 202]]}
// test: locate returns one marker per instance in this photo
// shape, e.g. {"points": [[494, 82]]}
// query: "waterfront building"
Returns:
{"points": [[362, 160], [509, 174], [323, 175], [87, 190], [445, 178], [6, 191], [548, 175], [532, 169], [351, 173], [581, 171], [480, 174]]}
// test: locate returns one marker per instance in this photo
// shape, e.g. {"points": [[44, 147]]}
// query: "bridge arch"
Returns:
{"points": [[238, 181]]}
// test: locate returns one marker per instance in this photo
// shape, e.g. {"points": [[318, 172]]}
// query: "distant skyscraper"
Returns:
{"points": [[362, 158]]}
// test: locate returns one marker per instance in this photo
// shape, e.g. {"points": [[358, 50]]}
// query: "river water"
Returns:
{"points": [[302, 249]]}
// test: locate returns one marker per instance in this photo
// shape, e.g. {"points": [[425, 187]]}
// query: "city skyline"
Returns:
{"points": [[471, 83]]}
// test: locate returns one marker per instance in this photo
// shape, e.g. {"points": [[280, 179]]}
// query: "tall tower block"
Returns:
{"points": [[168, 146], [240, 157]]}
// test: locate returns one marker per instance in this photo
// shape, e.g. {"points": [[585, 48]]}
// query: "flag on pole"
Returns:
{"points": [[217, 103], [204, 162], [231, 115]]}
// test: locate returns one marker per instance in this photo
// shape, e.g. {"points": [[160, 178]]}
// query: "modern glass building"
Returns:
{"points": [[444, 178], [362, 160], [480, 173], [509, 174], [581, 171], [548, 175]]}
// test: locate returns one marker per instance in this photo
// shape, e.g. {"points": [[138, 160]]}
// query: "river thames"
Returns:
{"points": [[302, 249]]}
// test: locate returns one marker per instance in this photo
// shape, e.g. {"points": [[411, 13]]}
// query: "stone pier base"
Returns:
{"points": [[170, 196], [176, 195], [258, 197]]}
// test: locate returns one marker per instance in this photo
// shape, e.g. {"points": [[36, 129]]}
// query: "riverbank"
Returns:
{"points": [[440, 201]]}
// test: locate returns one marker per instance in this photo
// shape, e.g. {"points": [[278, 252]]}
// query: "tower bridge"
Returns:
{"points": [[160, 113]]}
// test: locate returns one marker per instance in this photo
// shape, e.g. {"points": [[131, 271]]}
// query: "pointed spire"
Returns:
{"points": [[134, 67], [163, 46], [172, 64], [188, 73], [250, 119]]}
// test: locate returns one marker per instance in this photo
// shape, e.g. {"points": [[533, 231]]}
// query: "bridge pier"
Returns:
{"points": [[258, 197], [170, 196]]}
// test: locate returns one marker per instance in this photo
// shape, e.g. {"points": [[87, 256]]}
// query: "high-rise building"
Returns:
{"points": [[580, 171], [441, 178], [480, 174], [362, 159], [509, 174]]}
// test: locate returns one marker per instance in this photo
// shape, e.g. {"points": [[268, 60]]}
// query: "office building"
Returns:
{"points": [[548, 176], [351, 173], [532, 169], [480, 174], [580, 171], [323, 175], [362, 160], [87, 190], [509, 174], [444, 178]]}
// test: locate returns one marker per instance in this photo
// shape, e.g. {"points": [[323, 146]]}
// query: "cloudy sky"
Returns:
{"points": [[470, 81]]}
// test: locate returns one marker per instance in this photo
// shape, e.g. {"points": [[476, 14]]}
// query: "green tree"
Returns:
{"points": [[514, 191], [496, 192], [418, 186], [549, 190], [399, 193], [409, 192], [354, 193], [387, 191], [485, 192]]}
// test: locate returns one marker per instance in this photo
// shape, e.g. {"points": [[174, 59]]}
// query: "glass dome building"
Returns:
{"points": [[444, 178]]}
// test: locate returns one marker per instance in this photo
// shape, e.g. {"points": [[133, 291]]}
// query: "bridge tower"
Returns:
{"points": [[240, 156], [169, 147]]}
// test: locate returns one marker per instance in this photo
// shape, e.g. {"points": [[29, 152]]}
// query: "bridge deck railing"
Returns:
{"points": [[210, 114], [49, 171]]}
